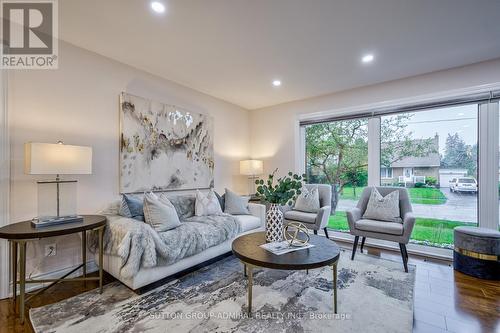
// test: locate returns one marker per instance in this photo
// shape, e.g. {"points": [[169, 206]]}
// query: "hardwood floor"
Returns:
{"points": [[449, 301], [445, 300]]}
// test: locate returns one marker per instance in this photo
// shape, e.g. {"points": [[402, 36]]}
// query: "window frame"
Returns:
{"points": [[488, 156]]}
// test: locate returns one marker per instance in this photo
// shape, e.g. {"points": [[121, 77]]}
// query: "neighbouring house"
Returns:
{"points": [[412, 169], [446, 175]]}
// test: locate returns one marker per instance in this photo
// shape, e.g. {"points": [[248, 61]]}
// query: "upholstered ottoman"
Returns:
{"points": [[477, 252]]}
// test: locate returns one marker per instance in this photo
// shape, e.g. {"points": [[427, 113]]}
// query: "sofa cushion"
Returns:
{"points": [[391, 228], [206, 204], [295, 215], [184, 205], [132, 207], [160, 213], [222, 200], [248, 222], [235, 204]]}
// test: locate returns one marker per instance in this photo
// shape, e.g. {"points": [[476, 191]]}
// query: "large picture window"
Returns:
{"points": [[432, 152], [337, 154], [434, 155]]}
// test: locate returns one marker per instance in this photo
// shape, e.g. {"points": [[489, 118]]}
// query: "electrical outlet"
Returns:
{"points": [[50, 250]]}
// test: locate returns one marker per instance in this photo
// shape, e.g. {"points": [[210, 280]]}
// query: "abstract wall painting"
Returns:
{"points": [[163, 147]]}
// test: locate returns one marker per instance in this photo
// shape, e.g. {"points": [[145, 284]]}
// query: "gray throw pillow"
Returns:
{"points": [[131, 207], [308, 200], [184, 205], [383, 208], [160, 213], [222, 200], [235, 204]]}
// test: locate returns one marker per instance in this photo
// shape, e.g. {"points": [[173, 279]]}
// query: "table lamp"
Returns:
{"points": [[56, 159], [252, 169]]}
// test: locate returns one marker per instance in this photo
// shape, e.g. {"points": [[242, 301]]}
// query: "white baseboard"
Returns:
{"points": [[91, 267]]}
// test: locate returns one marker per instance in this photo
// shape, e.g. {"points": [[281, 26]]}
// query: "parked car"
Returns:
{"points": [[463, 184]]}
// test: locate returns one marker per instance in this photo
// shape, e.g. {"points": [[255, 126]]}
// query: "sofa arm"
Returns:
{"points": [[353, 215], [323, 217], [408, 224], [259, 211]]}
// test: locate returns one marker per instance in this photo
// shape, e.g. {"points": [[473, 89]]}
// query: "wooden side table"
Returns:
{"points": [[18, 234]]}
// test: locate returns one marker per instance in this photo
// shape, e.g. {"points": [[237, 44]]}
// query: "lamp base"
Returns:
{"points": [[51, 221]]}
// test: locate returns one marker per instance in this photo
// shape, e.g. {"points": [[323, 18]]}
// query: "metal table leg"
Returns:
{"points": [[334, 266], [22, 278], [84, 252], [14, 271], [101, 250], [250, 283]]}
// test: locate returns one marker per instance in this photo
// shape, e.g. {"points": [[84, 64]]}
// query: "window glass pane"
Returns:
{"points": [[337, 154], [433, 154]]}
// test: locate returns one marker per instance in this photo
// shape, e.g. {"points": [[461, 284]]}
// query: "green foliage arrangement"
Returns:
{"points": [[419, 185], [284, 192]]}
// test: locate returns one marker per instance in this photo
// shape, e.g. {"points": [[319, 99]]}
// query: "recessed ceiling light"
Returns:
{"points": [[276, 83], [158, 7], [461, 114], [367, 58]]}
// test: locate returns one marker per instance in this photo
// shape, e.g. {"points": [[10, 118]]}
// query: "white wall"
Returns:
{"points": [[273, 133], [78, 103]]}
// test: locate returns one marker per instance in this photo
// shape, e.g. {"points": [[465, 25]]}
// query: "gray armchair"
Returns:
{"points": [[398, 232], [314, 221]]}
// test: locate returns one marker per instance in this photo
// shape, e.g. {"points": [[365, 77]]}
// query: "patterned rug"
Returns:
{"points": [[373, 294]]}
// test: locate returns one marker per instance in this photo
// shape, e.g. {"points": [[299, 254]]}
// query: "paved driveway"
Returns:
{"points": [[459, 207]]}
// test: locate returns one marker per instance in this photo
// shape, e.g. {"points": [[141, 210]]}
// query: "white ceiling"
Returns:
{"points": [[233, 49]]}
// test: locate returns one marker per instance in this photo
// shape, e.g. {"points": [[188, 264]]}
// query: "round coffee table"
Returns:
{"points": [[324, 253]]}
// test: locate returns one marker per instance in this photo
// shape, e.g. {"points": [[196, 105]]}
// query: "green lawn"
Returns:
{"points": [[426, 230], [427, 196]]}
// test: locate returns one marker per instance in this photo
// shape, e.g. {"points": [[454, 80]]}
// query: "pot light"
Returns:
{"points": [[461, 114], [158, 7], [367, 58], [276, 83]]}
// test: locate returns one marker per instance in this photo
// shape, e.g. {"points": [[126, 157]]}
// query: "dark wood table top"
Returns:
{"points": [[24, 230], [325, 252]]}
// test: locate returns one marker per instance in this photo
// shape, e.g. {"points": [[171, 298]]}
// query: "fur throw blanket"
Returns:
{"points": [[139, 245]]}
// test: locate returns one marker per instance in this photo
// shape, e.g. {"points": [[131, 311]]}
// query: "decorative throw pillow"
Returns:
{"points": [[131, 207], [160, 213], [383, 208], [206, 204], [184, 205], [222, 200], [235, 204], [308, 200]]}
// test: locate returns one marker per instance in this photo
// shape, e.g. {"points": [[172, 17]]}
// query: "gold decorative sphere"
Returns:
{"points": [[296, 234]]}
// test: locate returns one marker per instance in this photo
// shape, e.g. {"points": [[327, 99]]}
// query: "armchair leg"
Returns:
{"points": [[315, 232], [326, 233], [404, 255], [362, 244], [356, 239]]}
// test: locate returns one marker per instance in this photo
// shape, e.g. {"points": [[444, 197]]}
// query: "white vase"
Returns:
{"points": [[274, 224]]}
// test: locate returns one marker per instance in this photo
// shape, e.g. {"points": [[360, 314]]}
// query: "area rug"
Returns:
{"points": [[374, 295]]}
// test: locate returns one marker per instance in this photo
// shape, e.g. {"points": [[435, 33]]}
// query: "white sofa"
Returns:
{"points": [[249, 223]]}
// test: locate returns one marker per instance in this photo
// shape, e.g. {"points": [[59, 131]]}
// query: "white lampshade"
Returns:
{"points": [[251, 167], [57, 159]]}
